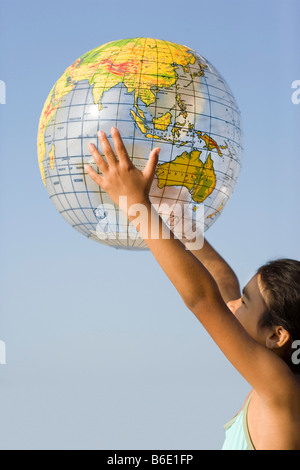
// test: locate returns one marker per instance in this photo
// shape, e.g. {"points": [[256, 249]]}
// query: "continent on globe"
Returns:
{"points": [[120, 62], [158, 93], [188, 170], [163, 122]]}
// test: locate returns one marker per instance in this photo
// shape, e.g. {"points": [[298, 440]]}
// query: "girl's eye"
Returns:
{"points": [[242, 301]]}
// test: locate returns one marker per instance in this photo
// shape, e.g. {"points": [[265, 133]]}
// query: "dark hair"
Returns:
{"points": [[280, 282]]}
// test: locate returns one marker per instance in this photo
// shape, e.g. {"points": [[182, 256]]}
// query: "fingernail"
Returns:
{"points": [[91, 146]]}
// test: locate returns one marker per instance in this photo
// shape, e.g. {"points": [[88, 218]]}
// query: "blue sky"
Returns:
{"points": [[101, 351]]}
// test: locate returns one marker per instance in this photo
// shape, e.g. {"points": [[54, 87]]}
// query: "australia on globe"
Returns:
{"points": [[158, 94]]}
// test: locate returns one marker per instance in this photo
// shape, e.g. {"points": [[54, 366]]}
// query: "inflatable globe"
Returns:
{"points": [[158, 94]]}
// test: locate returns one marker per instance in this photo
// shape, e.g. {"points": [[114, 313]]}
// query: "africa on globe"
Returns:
{"points": [[158, 94]]}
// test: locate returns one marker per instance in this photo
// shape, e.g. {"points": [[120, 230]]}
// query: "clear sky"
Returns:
{"points": [[101, 351]]}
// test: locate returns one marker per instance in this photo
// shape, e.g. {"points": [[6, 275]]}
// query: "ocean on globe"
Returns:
{"points": [[158, 94]]}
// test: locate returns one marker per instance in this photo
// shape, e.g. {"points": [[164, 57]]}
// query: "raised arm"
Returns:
{"points": [[129, 188], [220, 270]]}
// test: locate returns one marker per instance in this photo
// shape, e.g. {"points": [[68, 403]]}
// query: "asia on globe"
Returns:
{"points": [[157, 93]]}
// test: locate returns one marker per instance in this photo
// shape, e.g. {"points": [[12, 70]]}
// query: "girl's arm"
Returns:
{"points": [[220, 270], [129, 188]]}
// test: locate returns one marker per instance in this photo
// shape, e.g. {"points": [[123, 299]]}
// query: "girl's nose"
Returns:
{"points": [[234, 305]]}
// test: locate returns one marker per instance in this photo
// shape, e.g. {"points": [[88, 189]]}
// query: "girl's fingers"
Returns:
{"points": [[151, 165], [94, 175], [99, 160], [120, 147], [107, 150]]}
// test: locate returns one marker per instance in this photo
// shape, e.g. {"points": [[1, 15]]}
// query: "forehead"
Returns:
{"points": [[254, 292]]}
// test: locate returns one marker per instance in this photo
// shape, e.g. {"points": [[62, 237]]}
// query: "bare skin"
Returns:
{"points": [[206, 284]]}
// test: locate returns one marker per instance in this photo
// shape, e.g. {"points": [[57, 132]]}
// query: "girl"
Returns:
{"points": [[257, 332]]}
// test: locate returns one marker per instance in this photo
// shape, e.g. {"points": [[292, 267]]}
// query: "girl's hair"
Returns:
{"points": [[280, 282]]}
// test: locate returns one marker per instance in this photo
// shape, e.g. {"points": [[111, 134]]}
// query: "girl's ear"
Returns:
{"points": [[277, 338]]}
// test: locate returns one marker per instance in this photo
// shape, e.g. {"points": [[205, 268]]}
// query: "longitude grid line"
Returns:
{"points": [[212, 206], [194, 113], [82, 160], [229, 93], [155, 105], [181, 189], [58, 177], [74, 192], [199, 61], [117, 242], [238, 112], [87, 192], [98, 128], [157, 85], [234, 109], [117, 120], [232, 177], [210, 133], [207, 86], [64, 193], [120, 244], [209, 206], [173, 143], [134, 125], [233, 105]]}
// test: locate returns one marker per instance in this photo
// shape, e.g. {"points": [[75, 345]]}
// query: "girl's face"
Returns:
{"points": [[249, 309]]}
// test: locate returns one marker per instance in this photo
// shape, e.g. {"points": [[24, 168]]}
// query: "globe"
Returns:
{"points": [[158, 94]]}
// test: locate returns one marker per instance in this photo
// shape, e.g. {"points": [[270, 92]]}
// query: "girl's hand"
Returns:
{"points": [[120, 176]]}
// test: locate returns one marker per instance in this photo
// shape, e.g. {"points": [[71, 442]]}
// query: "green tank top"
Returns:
{"points": [[236, 431]]}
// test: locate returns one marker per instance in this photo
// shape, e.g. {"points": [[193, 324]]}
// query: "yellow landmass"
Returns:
{"points": [[144, 129], [210, 143], [189, 171], [218, 210], [140, 112], [163, 122], [52, 157], [152, 136]]}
